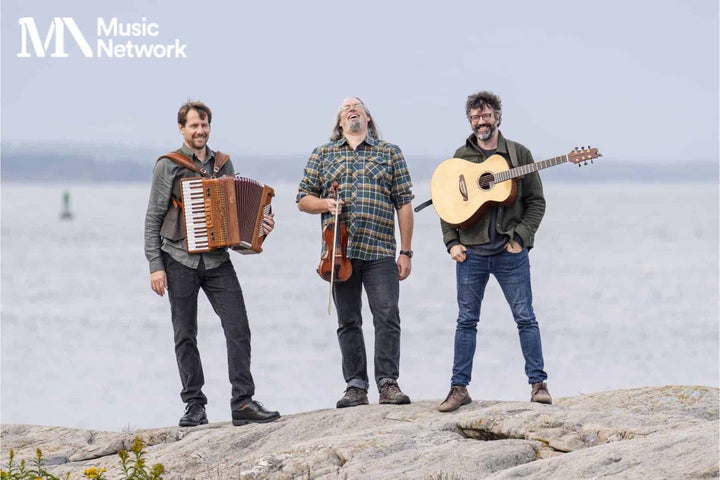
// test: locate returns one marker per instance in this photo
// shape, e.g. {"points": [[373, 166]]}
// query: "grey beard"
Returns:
{"points": [[484, 136], [355, 127]]}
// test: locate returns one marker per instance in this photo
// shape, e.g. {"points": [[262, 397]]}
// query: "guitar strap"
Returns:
{"points": [[511, 151]]}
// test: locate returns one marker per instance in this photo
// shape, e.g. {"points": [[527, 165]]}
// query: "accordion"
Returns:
{"points": [[224, 212]]}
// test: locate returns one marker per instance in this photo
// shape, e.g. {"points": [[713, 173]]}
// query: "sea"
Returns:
{"points": [[625, 286]]}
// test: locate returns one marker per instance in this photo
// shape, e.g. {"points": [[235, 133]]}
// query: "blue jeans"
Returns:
{"points": [[223, 291], [512, 271], [381, 281]]}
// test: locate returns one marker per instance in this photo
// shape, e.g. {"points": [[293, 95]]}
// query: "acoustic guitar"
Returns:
{"points": [[461, 190]]}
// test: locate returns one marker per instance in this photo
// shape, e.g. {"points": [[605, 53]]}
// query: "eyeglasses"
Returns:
{"points": [[354, 106], [483, 116]]}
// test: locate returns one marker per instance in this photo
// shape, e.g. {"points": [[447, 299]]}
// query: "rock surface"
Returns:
{"points": [[645, 433]]}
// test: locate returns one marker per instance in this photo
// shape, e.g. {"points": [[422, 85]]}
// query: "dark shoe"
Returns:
{"points": [[391, 393], [253, 412], [540, 393], [194, 415], [353, 397], [457, 397]]}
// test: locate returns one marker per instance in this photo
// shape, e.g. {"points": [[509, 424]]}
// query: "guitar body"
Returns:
{"points": [[462, 191]]}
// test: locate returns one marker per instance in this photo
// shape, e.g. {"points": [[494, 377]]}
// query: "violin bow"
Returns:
{"points": [[332, 263]]}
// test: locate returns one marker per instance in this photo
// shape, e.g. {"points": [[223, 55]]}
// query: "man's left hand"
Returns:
{"points": [[404, 264], [268, 223], [513, 247]]}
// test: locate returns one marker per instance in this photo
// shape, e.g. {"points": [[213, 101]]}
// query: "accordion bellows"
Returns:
{"points": [[225, 212]]}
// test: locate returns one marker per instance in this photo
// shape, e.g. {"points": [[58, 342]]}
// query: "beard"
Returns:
{"points": [[482, 136], [355, 127]]}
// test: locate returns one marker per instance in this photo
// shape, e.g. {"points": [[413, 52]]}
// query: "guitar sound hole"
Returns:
{"points": [[486, 181]]}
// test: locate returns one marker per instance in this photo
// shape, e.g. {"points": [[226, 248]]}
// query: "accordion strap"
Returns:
{"points": [[177, 157], [220, 160]]}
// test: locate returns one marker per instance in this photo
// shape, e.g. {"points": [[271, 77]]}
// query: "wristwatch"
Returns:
{"points": [[409, 253]]}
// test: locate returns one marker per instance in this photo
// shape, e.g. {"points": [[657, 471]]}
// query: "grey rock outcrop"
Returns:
{"points": [[646, 433]]}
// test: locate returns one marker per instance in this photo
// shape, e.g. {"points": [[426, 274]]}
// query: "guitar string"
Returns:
{"points": [[487, 180]]}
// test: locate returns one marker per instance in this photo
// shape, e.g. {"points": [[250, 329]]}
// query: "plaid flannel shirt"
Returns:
{"points": [[373, 180]]}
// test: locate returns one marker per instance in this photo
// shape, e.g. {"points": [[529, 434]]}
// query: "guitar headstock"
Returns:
{"points": [[582, 155]]}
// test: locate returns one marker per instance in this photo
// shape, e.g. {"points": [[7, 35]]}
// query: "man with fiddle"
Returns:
{"points": [[373, 182]]}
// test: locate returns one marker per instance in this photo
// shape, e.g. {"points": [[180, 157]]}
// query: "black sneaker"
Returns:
{"points": [[194, 415], [353, 397], [253, 412]]}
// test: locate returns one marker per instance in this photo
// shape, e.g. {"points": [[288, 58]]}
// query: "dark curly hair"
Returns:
{"points": [[480, 99]]}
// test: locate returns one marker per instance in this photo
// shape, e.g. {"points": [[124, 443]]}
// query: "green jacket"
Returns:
{"points": [[521, 218]]}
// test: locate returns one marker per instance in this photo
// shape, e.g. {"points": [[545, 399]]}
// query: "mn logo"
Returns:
{"points": [[54, 40]]}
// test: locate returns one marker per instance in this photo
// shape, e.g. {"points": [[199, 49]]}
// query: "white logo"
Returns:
{"points": [[57, 30], [115, 39]]}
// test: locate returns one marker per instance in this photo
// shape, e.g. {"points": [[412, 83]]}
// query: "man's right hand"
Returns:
{"points": [[332, 205], [158, 282], [457, 253]]}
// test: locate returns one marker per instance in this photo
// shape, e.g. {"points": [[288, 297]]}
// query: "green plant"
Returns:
{"points": [[133, 467], [22, 472], [94, 473]]}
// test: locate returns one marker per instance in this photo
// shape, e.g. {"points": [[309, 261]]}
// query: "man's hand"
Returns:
{"points": [[313, 204], [404, 265], [158, 282], [332, 204], [457, 253], [513, 247], [268, 223]]}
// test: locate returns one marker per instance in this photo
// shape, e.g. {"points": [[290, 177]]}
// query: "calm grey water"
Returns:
{"points": [[625, 280]]}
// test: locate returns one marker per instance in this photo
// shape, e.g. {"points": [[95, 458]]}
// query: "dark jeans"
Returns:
{"points": [[512, 271], [381, 281], [223, 291]]}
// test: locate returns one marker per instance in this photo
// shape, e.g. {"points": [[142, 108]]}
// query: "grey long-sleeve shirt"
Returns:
{"points": [[164, 175]]}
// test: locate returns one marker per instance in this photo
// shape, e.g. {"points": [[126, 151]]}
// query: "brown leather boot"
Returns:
{"points": [[353, 397], [457, 397], [390, 393], [540, 393]]}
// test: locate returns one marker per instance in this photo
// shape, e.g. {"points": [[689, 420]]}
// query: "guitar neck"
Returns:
{"points": [[532, 167]]}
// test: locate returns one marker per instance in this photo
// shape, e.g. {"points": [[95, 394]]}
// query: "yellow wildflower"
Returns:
{"points": [[137, 445]]}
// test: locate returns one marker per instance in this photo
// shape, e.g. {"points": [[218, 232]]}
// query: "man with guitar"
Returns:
{"points": [[372, 183], [496, 241]]}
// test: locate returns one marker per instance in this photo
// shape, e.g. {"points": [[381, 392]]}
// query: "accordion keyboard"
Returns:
{"points": [[195, 215]]}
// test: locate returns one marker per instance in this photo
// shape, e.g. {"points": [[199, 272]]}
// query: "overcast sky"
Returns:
{"points": [[638, 79]]}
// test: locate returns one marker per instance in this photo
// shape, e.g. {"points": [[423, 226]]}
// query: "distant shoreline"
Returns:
{"points": [[57, 167]]}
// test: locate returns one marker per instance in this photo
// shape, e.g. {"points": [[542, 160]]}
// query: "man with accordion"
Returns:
{"points": [[183, 269]]}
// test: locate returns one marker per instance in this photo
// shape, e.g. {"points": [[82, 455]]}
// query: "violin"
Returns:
{"points": [[334, 264]]}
